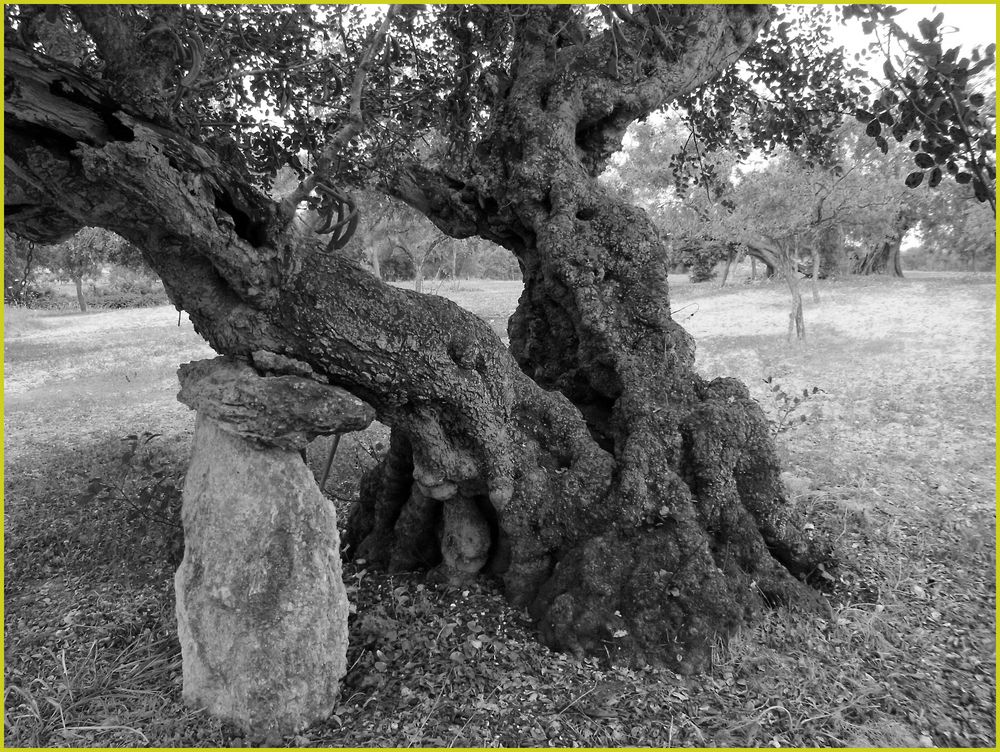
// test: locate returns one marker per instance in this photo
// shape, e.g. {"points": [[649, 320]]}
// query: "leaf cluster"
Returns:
{"points": [[930, 92], [791, 88], [787, 404], [269, 86]]}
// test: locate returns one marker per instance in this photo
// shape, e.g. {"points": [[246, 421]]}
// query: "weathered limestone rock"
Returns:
{"points": [[261, 604], [286, 411]]}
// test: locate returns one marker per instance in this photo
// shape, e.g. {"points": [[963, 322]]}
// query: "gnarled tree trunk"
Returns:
{"points": [[633, 507], [883, 258], [640, 536], [832, 256]]}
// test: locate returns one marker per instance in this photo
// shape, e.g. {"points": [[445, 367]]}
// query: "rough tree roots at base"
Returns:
{"points": [[655, 585]]}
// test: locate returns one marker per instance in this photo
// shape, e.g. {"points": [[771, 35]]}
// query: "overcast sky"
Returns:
{"points": [[964, 24]]}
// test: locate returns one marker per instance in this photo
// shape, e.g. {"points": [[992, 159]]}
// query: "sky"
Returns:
{"points": [[967, 25]]}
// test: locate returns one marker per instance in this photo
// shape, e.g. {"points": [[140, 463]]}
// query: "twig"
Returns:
{"points": [[329, 461], [351, 127], [466, 724], [574, 702], [437, 701]]}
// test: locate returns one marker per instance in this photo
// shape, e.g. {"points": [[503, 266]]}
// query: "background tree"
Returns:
{"points": [[635, 509], [663, 170], [478, 258], [20, 263], [957, 230], [80, 257]]}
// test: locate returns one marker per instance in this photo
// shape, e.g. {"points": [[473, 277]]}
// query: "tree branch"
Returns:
{"points": [[137, 63], [352, 126], [713, 37]]}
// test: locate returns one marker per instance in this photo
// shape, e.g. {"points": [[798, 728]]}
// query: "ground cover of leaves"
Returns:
{"points": [[895, 460]]}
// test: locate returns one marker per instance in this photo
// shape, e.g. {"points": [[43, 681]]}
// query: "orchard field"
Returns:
{"points": [[892, 451]]}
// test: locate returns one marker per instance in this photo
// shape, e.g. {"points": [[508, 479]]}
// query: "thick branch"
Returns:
{"points": [[138, 58], [693, 44], [458, 208]]}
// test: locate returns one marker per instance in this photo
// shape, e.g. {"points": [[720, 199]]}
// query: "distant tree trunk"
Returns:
{"points": [[729, 263], [883, 258], [417, 258], [833, 259], [796, 322], [815, 274], [779, 255], [829, 244], [753, 269], [765, 252], [78, 282]]}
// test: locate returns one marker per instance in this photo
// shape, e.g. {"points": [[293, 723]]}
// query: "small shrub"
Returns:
{"points": [[121, 279], [702, 269], [46, 298], [147, 486], [119, 300], [785, 411]]}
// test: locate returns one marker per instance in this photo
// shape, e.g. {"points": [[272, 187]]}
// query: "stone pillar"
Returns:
{"points": [[261, 604]]}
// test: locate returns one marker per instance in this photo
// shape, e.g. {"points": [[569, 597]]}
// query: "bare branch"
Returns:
{"points": [[352, 126]]}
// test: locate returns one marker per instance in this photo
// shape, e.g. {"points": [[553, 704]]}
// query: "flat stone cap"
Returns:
{"points": [[285, 411]]}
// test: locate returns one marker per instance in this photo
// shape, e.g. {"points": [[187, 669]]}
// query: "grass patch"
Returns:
{"points": [[895, 461], [18, 321]]}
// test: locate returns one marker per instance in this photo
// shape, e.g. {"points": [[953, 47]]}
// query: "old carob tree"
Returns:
{"points": [[634, 508]]}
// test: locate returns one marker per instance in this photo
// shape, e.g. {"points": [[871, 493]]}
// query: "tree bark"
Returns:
{"points": [[635, 509]]}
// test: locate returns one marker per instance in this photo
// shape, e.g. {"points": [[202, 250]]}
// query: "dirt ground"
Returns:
{"points": [[895, 458]]}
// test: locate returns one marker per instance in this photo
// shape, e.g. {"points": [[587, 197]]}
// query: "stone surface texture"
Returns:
{"points": [[286, 411], [261, 605]]}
